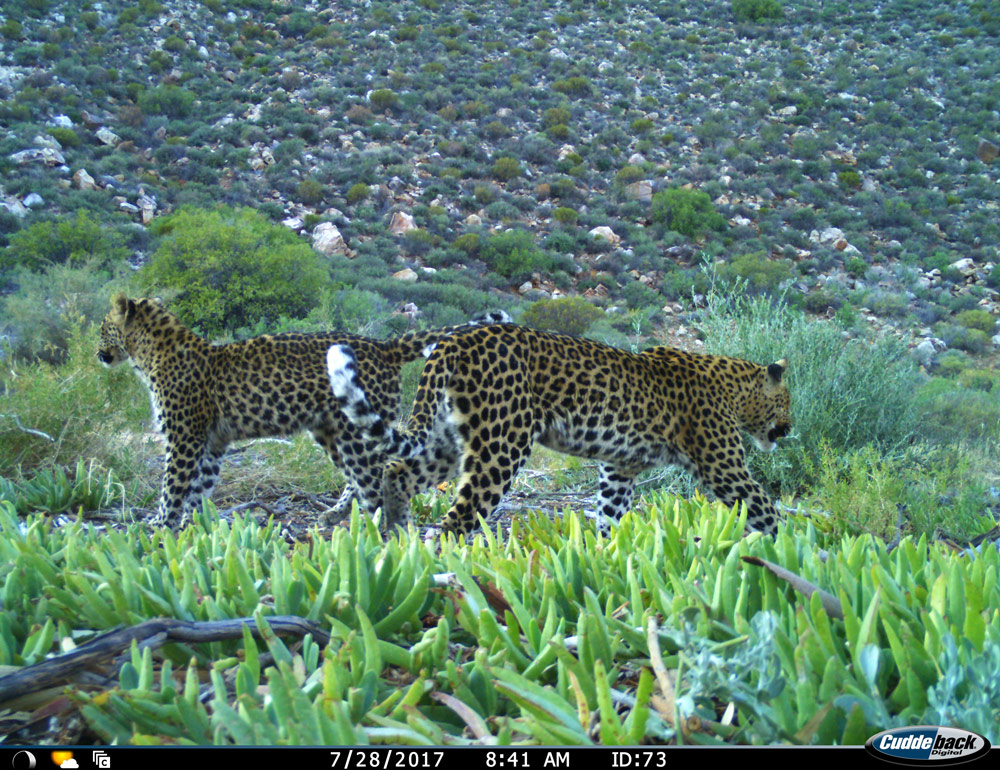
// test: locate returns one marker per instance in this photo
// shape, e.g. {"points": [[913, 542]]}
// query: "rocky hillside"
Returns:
{"points": [[845, 153]]}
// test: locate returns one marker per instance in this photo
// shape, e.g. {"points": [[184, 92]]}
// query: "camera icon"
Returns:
{"points": [[102, 760]]}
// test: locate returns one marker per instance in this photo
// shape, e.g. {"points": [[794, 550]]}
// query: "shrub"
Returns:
{"points": [[555, 116], [88, 411], [67, 137], [574, 86], [506, 169], [358, 193], [565, 315], [849, 179], [565, 215], [49, 306], [514, 253], [689, 212], [760, 273], [383, 99], [757, 10], [232, 268], [846, 393], [74, 240], [977, 319], [310, 191], [169, 100]]}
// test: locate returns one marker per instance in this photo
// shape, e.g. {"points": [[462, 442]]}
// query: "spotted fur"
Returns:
{"points": [[205, 396], [487, 394]]}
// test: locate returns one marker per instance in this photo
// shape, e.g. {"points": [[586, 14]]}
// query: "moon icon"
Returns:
{"points": [[23, 760]]}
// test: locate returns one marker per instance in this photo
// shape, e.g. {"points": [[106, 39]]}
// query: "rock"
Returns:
{"points": [[565, 150], [473, 220], [401, 223], [789, 112], [293, 223], [605, 66], [406, 274], [61, 121], [996, 340], [128, 208], [107, 136], [33, 199], [987, 152], [83, 180], [326, 239], [44, 140], [46, 155], [606, 233], [636, 159], [966, 266], [640, 191], [147, 205], [525, 287], [924, 352], [14, 206]]}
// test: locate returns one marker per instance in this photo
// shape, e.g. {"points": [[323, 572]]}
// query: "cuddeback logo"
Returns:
{"points": [[927, 745]]}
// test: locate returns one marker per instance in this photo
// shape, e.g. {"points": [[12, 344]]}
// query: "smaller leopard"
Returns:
{"points": [[487, 394], [205, 396]]}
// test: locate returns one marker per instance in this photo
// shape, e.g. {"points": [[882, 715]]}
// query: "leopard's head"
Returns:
{"points": [[111, 349], [767, 416]]}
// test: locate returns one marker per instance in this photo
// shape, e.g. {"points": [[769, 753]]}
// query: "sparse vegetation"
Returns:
{"points": [[837, 167]]}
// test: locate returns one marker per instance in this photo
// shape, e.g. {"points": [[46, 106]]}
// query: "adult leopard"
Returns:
{"points": [[487, 394], [206, 396]]}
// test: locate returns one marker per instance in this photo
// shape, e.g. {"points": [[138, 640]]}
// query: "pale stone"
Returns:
{"points": [[401, 223], [406, 274], [326, 239]]}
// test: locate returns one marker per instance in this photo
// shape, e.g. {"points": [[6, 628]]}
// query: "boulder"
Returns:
{"points": [[401, 223], [83, 180], [326, 239], [606, 233]]}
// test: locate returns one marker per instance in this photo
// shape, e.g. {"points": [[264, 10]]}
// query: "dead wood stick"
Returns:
{"points": [[164, 630]]}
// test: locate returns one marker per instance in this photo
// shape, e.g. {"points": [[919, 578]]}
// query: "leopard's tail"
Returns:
{"points": [[420, 344], [342, 369]]}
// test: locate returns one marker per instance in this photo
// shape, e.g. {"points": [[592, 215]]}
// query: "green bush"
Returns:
{"points": [[358, 193], [310, 192], [514, 253], [169, 100], [849, 179], [56, 415], [565, 315], [688, 212], [506, 169], [951, 412], [232, 268], [758, 272], [574, 86], [757, 10], [67, 137], [847, 393], [73, 240], [977, 319], [565, 215], [383, 99], [49, 306]]}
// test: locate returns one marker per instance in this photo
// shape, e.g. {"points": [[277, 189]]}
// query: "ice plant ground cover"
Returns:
{"points": [[548, 633]]}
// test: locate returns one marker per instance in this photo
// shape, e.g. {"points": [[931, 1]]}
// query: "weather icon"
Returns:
{"points": [[23, 760], [64, 759]]}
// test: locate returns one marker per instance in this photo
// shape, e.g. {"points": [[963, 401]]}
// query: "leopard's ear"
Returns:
{"points": [[777, 369], [122, 308]]}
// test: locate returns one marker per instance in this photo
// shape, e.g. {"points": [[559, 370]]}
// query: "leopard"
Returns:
{"points": [[206, 395], [488, 394]]}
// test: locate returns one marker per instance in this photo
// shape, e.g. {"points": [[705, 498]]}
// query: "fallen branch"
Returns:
{"points": [[831, 604], [32, 431], [152, 633]]}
